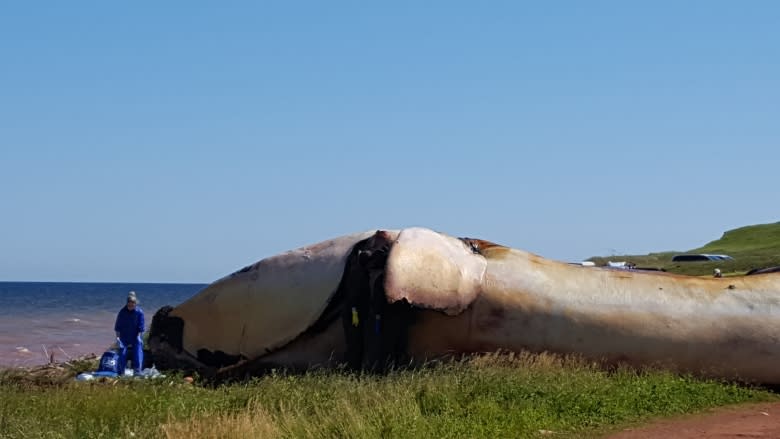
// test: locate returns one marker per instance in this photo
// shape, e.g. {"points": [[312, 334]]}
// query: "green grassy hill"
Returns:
{"points": [[751, 247]]}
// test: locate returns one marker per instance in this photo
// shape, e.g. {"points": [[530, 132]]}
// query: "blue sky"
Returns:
{"points": [[141, 142]]}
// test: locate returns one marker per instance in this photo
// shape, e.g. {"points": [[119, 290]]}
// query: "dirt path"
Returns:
{"points": [[745, 421]]}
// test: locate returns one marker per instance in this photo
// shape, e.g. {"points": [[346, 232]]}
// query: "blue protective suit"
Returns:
{"points": [[130, 326]]}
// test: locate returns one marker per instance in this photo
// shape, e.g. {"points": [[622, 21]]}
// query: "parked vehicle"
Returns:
{"points": [[701, 257]]}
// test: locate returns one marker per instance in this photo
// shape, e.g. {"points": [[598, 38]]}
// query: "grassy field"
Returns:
{"points": [[751, 247], [490, 396]]}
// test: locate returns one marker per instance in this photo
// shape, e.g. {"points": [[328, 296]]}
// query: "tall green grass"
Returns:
{"points": [[491, 396]]}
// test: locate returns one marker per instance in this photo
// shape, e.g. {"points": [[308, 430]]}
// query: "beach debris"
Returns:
{"points": [[47, 356], [65, 353]]}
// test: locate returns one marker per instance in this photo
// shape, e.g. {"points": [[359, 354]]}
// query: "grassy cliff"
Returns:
{"points": [[751, 247]]}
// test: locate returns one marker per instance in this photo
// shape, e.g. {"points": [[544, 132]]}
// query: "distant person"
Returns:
{"points": [[717, 273], [129, 327]]}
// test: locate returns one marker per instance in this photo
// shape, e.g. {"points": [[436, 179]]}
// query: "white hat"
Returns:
{"points": [[131, 297]]}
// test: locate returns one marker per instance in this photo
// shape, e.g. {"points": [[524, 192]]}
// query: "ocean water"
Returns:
{"points": [[71, 319]]}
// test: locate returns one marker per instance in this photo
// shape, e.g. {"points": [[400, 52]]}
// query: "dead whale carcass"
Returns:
{"points": [[369, 298]]}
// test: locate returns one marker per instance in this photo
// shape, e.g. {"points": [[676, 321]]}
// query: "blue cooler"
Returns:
{"points": [[109, 365]]}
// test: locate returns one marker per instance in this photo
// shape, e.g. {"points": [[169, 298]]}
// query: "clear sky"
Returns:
{"points": [[171, 141]]}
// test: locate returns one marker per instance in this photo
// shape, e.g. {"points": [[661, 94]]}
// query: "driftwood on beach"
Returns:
{"points": [[413, 295]]}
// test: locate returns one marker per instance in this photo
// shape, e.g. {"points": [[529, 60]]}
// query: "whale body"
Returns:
{"points": [[375, 298]]}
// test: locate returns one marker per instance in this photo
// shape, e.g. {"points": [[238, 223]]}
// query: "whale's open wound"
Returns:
{"points": [[403, 297]]}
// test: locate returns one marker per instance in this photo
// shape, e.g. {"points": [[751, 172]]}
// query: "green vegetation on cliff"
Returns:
{"points": [[756, 246]]}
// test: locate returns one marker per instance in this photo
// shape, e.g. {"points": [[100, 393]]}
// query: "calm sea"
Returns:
{"points": [[71, 319]]}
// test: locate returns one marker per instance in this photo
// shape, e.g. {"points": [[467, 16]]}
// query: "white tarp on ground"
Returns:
{"points": [[149, 372]]}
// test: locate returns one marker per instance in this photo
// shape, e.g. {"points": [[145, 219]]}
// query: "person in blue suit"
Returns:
{"points": [[129, 327]]}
